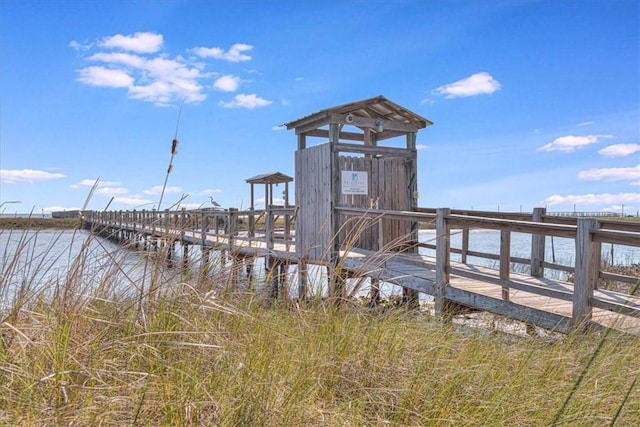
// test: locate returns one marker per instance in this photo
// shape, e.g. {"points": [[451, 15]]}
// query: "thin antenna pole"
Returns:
{"points": [[174, 151]]}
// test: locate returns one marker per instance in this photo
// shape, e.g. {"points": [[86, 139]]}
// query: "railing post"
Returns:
{"points": [[465, 245], [443, 262], [233, 225], [586, 275], [204, 221], [537, 245], [505, 262]]}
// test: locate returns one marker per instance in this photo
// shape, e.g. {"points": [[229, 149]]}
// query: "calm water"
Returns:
{"points": [[47, 258]]}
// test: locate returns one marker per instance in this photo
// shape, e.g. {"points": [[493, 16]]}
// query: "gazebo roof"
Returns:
{"points": [[269, 178], [378, 107]]}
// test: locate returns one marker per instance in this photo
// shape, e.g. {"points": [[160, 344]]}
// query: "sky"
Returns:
{"points": [[534, 103]]}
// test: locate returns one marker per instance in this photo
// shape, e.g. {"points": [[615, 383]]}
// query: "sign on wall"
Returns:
{"points": [[354, 182]]}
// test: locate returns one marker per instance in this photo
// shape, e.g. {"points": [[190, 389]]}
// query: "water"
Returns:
{"points": [[562, 249], [47, 258]]}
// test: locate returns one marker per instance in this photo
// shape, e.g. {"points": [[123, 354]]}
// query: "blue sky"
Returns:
{"points": [[534, 103]]}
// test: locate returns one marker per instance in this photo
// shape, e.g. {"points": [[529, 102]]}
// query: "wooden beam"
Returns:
{"points": [[375, 150], [372, 122]]}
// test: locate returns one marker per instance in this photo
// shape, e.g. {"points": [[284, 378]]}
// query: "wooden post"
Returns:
{"points": [[335, 284], [465, 245], [411, 296], [443, 253], [302, 279], [271, 264], [505, 262], [587, 268], [233, 226], [185, 255], [537, 246]]}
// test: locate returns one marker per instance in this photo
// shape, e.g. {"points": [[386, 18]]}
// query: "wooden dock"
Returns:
{"points": [[536, 300], [356, 213]]}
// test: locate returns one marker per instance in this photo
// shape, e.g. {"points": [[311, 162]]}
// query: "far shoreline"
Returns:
{"points": [[17, 223]]}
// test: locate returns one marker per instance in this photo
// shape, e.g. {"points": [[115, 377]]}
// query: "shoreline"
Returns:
{"points": [[40, 223]]}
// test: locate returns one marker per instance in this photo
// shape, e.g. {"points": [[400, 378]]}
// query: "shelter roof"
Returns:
{"points": [[269, 178], [378, 107]]}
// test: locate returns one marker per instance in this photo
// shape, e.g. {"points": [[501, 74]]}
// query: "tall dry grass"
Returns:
{"points": [[132, 351]]}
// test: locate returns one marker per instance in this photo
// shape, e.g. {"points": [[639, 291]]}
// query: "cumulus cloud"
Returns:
{"points": [[139, 42], [246, 101], [619, 150], [611, 174], [476, 84], [227, 83], [30, 176], [139, 64], [234, 54], [157, 190], [111, 191], [88, 183], [569, 143], [106, 77], [208, 192], [592, 199], [133, 200]]}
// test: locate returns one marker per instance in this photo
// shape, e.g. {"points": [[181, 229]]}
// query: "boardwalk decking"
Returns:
{"points": [[534, 300]]}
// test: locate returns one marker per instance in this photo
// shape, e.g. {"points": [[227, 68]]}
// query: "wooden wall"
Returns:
{"points": [[390, 183], [313, 197]]}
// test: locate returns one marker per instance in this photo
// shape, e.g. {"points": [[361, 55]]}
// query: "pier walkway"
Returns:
{"points": [[531, 298]]}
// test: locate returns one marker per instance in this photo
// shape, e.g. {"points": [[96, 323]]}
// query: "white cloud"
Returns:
{"points": [[569, 143], [133, 200], [427, 101], [611, 174], [90, 183], [111, 191], [157, 190], [208, 192], [246, 101], [476, 84], [585, 124], [127, 59], [139, 42], [13, 176], [75, 45], [421, 147], [227, 83], [107, 77], [619, 150], [234, 54], [592, 199]]}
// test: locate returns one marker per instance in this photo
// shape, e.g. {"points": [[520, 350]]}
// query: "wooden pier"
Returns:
{"points": [[356, 214], [530, 298]]}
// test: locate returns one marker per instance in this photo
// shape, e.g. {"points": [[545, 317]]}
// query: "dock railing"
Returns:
{"points": [[588, 234]]}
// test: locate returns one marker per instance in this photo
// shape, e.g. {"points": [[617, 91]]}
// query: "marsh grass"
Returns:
{"points": [[104, 353]]}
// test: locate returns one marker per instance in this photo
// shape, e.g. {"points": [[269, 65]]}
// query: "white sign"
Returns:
{"points": [[355, 182]]}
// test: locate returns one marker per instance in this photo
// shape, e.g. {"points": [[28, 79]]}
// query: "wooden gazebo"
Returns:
{"points": [[270, 180]]}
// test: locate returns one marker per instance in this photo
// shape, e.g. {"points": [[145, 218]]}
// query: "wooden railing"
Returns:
{"points": [[273, 225], [587, 233]]}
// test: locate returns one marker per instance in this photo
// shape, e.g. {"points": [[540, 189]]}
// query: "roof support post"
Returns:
{"points": [[335, 288]]}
